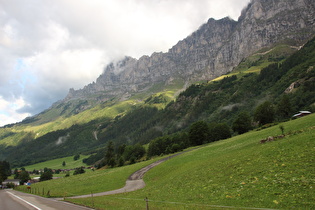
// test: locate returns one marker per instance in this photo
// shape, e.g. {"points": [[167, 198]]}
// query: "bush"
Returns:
{"points": [[79, 170], [265, 113], [10, 185], [218, 131], [76, 157], [243, 123], [198, 133], [47, 175]]}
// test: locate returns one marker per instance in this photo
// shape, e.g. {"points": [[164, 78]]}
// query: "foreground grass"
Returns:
{"points": [[238, 172]]}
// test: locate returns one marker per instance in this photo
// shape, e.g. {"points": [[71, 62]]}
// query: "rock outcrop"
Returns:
{"points": [[214, 49]]}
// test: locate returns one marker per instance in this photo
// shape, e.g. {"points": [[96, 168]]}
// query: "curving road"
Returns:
{"points": [[134, 182]]}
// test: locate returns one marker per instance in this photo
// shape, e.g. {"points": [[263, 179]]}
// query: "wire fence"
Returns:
{"points": [[191, 204], [147, 201]]}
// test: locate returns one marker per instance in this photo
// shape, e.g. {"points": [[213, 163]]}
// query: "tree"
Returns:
{"points": [[111, 162], [5, 170], [137, 151], [156, 147], [64, 163], [35, 171], [218, 131], [79, 170], [284, 108], [121, 149], [243, 123], [282, 129], [46, 175], [16, 173], [23, 176], [198, 133], [224, 131], [76, 157], [265, 113], [121, 161], [109, 155]]}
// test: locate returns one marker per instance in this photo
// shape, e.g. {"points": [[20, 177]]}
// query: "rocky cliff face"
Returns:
{"points": [[214, 49]]}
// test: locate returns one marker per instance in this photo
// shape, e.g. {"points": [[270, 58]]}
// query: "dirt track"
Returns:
{"points": [[134, 182]]}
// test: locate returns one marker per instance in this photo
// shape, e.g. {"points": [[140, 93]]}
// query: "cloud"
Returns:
{"points": [[8, 111], [49, 46]]}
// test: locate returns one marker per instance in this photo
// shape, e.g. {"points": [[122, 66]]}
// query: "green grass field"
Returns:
{"points": [[57, 163], [91, 181], [235, 173], [238, 172]]}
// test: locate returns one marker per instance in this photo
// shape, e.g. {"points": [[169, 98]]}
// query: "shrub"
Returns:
{"points": [[47, 175], [243, 123], [79, 170]]}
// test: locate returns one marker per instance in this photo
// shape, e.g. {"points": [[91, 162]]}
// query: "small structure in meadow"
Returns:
{"points": [[301, 114], [15, 182]]}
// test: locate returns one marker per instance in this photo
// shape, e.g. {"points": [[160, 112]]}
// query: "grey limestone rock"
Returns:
{"points": [[214, 49]]}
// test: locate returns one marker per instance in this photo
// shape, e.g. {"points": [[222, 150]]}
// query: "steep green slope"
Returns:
{"points": [[44, 123], [234, 173], [237, 173], [63, 115]]}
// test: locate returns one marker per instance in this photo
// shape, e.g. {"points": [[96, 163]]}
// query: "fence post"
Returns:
{"points": [[147, 202], [48, 193], [92, 199]]}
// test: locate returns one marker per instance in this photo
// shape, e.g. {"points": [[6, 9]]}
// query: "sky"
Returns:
{"points": [[50, 46]]}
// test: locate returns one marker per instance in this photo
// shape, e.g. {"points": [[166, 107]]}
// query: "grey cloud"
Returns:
{"points": [[66, 44]]}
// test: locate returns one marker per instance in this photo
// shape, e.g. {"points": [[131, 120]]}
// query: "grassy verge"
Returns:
{"points": [[238, 172]]}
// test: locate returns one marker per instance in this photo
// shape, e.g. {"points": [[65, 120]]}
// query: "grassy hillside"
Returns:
{"points": [[57, 163], [40, 127], [238, 172], [152, 114]]}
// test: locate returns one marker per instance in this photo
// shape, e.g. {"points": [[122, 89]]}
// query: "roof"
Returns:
{"points": [[305, 112], [302, 113], [11, 180]]}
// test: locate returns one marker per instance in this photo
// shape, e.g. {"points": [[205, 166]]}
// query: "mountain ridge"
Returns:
{"points": [[90, 118], [218, 101], [214, 49]]}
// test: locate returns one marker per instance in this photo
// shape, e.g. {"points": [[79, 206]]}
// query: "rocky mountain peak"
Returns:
{"points": [[214, 49]]}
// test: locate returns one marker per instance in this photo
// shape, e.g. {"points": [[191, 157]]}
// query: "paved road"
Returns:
{"points": [[15, 200]]}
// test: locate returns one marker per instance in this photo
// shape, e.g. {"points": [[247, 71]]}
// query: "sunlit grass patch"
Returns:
{"points": [[57, 163]]}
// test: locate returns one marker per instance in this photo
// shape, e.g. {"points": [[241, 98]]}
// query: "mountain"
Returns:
{"points": [[132, 101], [214, 49]]}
